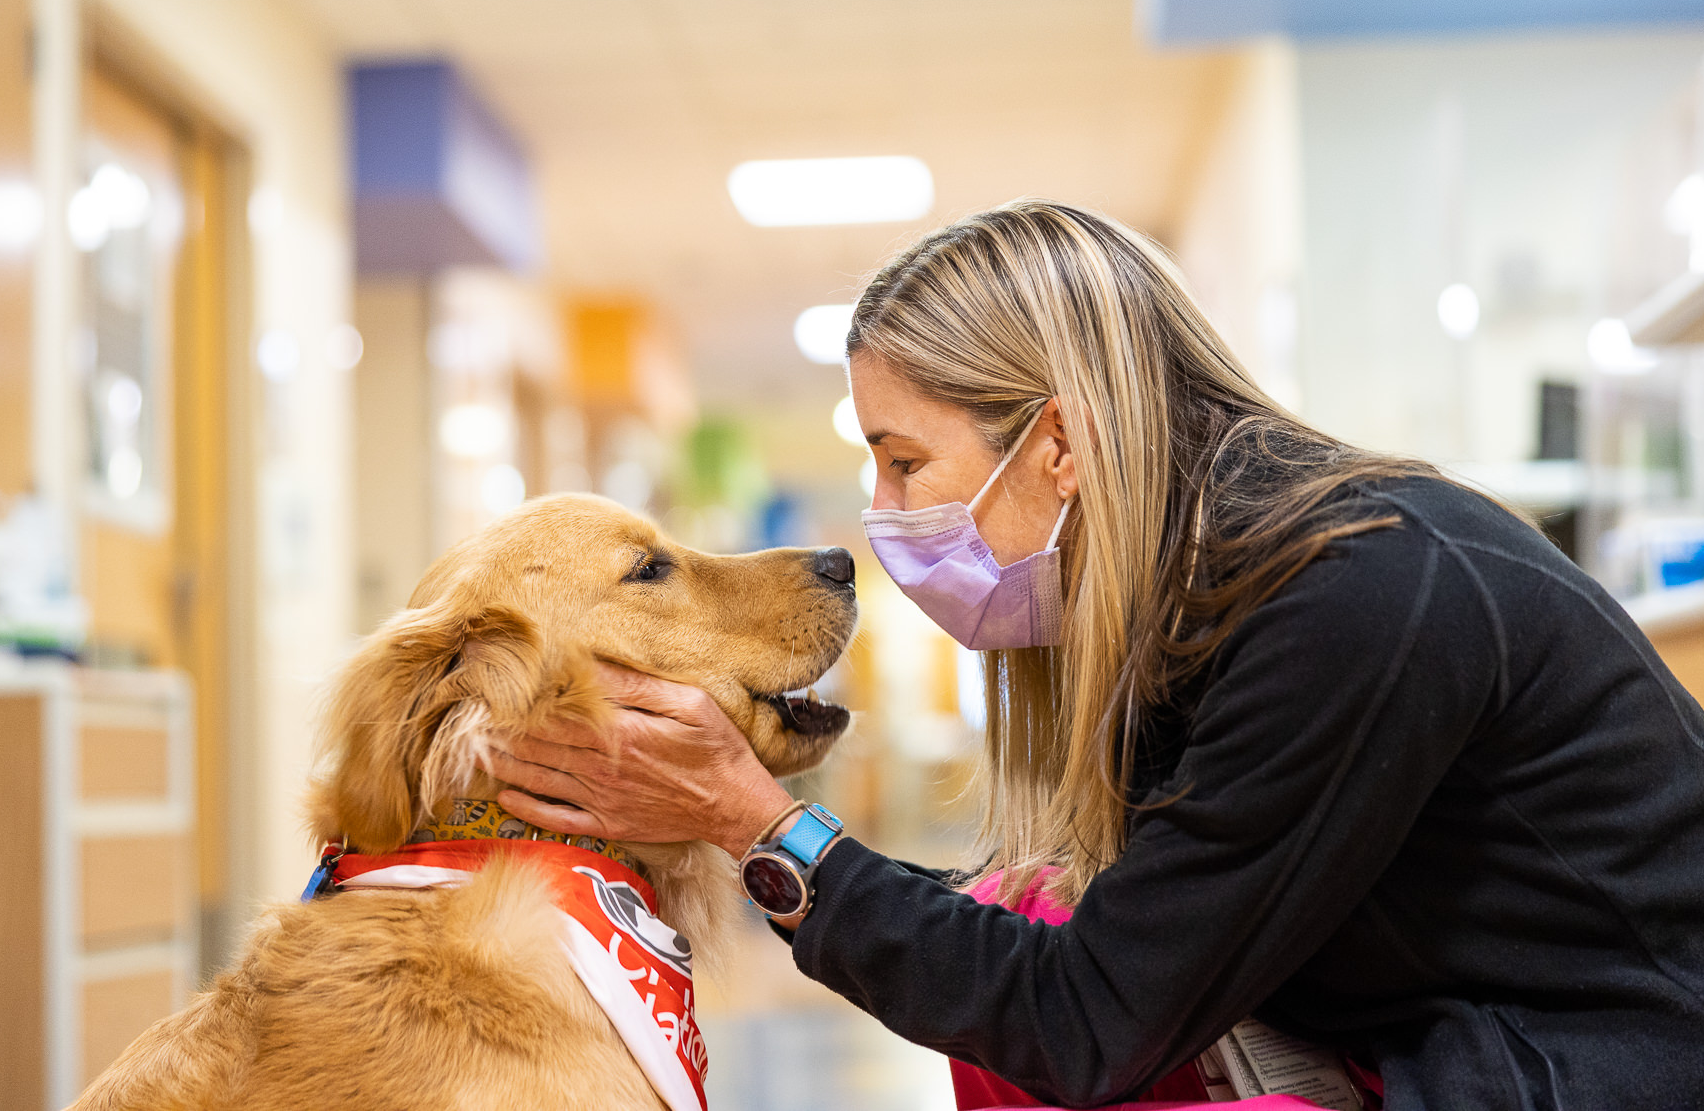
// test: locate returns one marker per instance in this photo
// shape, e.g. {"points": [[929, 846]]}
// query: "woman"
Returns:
{"points": [[1314, 733]]}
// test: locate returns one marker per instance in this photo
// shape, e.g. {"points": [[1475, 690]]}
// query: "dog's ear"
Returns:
{"points": [[448, 667]]}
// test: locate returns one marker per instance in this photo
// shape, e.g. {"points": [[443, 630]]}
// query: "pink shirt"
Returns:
{"points": [[980, 1090]]}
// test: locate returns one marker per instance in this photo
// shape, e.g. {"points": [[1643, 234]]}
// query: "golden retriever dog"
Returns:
{"points": [[463, 996]]}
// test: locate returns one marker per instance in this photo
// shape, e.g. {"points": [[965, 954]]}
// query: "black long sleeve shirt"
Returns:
{"points": [[1444, 804]]}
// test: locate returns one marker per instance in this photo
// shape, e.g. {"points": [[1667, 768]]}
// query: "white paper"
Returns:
{"points": [[1215, 1076], [1262, 1061]]}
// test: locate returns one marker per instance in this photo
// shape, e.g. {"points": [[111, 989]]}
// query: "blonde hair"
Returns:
{"points": [[1198, 497]]}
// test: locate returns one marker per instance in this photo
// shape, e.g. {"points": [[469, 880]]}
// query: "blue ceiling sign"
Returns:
{"points": [[1202, 22], [439, 181]]}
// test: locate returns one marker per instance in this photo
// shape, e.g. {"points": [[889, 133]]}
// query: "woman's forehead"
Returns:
{"points": [[890, 408], [879, 396]]}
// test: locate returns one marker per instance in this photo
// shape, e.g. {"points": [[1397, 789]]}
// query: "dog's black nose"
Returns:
{"points": [[834, 564]]}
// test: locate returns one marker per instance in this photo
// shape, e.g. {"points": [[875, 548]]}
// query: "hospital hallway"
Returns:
{"points": [[296, 295]]}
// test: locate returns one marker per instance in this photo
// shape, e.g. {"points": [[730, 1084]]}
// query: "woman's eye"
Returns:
{"points": [[903, 466]]}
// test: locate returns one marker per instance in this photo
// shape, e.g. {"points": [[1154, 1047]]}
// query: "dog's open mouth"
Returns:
{"points": [[803, 713]]}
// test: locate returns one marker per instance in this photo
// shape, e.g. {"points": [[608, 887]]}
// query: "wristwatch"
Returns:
{"points": [[777, 873]]}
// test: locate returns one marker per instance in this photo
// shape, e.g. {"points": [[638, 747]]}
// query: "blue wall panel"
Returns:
{"points": [[1211, 21], [439, 181]]}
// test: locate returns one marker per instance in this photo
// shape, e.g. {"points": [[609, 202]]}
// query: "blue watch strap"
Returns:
{"points": [[811, 834]]}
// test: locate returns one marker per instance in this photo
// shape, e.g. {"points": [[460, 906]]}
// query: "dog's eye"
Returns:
{"points": [[652, 567]]}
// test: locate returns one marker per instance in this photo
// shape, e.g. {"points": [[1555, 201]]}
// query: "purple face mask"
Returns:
{"points": [[941, 562]]}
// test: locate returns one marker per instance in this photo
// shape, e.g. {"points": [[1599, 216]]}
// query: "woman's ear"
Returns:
{"points": [[1061, 463], [447, 666]]}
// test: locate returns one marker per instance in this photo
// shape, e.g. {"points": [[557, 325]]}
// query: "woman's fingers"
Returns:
{"points": [[540, 779], [555, 747], [577, 809], [669, 765], [554, 817], [555, 735], [663, 697]]}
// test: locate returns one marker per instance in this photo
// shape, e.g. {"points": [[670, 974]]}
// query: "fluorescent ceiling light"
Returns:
{"points": [[1458, 310], [831, 191], [821, 331], [1610, 346], [277, 354], [502, 489], [1684, 210], [344, 347], [473, 431]]}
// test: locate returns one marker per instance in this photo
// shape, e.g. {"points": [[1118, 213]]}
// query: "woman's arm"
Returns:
{"points": [[1336, 708]]}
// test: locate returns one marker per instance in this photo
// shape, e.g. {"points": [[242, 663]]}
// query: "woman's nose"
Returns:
{"points": [[834, 565]]}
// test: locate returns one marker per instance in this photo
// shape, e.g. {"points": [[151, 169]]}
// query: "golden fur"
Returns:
{"points": [[462, 998]]}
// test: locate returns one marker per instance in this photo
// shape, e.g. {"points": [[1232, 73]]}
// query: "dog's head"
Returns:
{"points": [[502, 634]]}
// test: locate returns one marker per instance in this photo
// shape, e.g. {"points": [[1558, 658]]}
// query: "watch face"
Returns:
{"points": [[772, 885]]}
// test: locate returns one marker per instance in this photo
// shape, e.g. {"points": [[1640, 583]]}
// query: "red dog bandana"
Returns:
{"points": [[636, 967]]}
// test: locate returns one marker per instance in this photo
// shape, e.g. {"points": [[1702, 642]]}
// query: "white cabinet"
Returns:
{"points": [[98, 924]]}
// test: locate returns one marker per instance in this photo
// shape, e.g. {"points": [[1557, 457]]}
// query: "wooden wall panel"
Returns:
{"points": [[116, 1010], [133, 888], [121, 762], [22, 1047]]}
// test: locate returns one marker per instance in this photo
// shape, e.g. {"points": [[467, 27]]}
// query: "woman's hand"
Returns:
{"points": [[670, 767]]}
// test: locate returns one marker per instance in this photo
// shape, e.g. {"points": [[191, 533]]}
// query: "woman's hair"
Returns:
{"points": [[1198, 496]]}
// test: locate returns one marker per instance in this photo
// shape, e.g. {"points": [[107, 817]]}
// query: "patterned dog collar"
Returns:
{"points": [[475, 819]]}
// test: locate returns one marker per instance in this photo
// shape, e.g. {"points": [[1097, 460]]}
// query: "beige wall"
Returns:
{"points": [[268, 78], [1491, 161], [1239, 239], [394, 452]]}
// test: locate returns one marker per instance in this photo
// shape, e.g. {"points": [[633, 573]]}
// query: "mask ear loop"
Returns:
{"points": [[1009, 456], [1059, 525]]}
